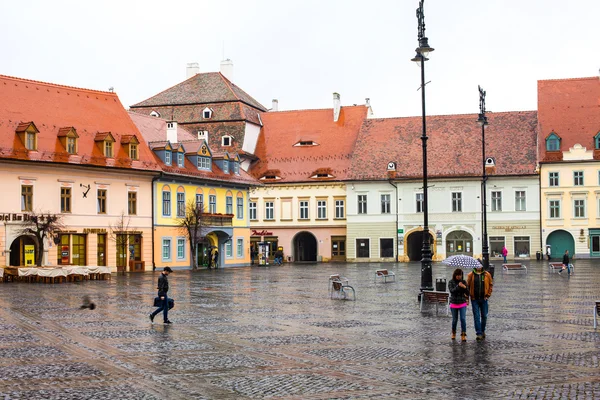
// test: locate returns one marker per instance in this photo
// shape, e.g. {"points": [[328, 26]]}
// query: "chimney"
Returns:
{"points": [[192, 69], [336, 107], [227, 69], [275, 106], [369, 108], [172, 131]]}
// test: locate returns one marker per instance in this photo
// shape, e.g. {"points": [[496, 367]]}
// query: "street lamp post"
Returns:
{"points": [[483, 122], [422, 52]]}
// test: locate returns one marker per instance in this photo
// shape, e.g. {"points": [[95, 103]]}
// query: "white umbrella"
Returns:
{"points": [[462, 261]]}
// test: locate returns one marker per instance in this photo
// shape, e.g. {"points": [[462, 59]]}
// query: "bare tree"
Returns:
{"points": [[193, 226], [119, 233], [41, 226]]}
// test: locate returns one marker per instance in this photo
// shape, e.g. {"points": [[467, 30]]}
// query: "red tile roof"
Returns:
{"points": [[282, 130], [154, 129], [53, 107], [571, 109], [453, 147]]}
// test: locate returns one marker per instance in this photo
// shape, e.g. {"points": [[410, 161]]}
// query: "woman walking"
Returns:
{"points": [[459, 296]]}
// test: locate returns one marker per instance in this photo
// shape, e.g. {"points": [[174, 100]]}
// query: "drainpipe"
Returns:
{"points": [[397, 244], [540, 199], [156, 178]]}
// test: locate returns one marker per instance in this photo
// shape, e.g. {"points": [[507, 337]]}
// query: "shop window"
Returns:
{"points": [[101, 250], [386, 248], [496, 245], [522, 246], [362, 248]]}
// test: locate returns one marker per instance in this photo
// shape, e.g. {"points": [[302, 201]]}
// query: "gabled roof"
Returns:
{"points": [[282, 130], [209, 87], [52, 107], [571, 109], [453, 148], [154, 129]]}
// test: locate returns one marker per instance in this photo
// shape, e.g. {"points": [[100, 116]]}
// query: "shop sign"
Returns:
{"points": [[29, 254], [261, 233], [94, 230], [14, 217], [509, 228]]}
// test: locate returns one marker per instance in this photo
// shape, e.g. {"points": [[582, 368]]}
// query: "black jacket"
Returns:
{"points": [[163, 285], [458, 295], [566, 259]]}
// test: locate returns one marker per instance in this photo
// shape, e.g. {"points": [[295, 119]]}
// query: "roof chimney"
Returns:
{"points": [[336, 107], [172, 131], [227, 69], [369, 108], [275, 106], [192, 69]]}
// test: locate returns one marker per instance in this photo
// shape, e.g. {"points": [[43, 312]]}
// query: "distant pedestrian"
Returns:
{"points": [[480, 284], [210, 258], [87, 303], [253, 254], [504, 253], [566, 264], [459, 296], [216, 259], [163, 288], [548, 252]]}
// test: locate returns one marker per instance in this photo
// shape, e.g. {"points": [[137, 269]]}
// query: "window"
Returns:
{"points": [[26, 198], [521, 246], [65, 199], [496, 201], [30, 141], [362, 248], [180, 159], [180, 248], [385, 203], [553, 178], [386, 248], [168, 157], [166, 200], [180, 204], [133, 151], [553, 142], [240, 208], [108, 149], [71, 145], [496, 246], [362, 203], [339, 209], [236, 168], [200, 201], [322, 209], [226, 141], [269, 210], [520, 201], [420, 200], [204, 163], [228, 249], [252, 210], [456, 202], [101, 201], [212, 204], [228, 205], [132, 203], [577, 178], [207, 113], [597, 141], [303, 209], [579, 208], [226, 166], [240, 248], [166, 249], [154, 114], [554, 208]]}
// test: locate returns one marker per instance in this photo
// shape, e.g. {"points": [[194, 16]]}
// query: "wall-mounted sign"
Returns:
{"points": [[261, 233], [94, 230], [29, 255], [509, 228]]}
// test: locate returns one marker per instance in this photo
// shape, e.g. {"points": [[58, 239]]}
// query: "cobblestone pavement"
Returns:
{"points": [[273, 332]]}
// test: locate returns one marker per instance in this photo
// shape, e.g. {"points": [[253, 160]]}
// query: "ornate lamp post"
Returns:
{"points": [[483, 122], [422, 52]]}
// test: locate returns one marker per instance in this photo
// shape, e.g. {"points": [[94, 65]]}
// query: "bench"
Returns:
{"points": [[384, 274], [437, 298], [596, 313], [513, 267], [340, 289], [557, 267]]}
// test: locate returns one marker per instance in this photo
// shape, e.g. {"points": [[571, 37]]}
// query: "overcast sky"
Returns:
{"points": [[300, 52]]}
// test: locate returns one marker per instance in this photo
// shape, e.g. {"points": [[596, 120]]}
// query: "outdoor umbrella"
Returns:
{"points": [[462, 261]]}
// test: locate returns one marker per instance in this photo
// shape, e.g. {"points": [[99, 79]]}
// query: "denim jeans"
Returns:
{"points": [[463, 318], [164, 308], [480, 312]]}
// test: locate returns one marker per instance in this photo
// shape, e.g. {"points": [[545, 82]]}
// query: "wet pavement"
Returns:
{"points": [[273, 332]]}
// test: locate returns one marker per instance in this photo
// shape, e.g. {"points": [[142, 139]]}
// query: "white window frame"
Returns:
{"points": [[252, 211], [456, 201], [228, 249], [226, 166], [578, 178], [361, 204], [204, 163], [496, 200], [180, 159], [558, 206], [212, 204], [181, 248], [386, 203], [340, 209], [239, 248], [200, 201], [579, 209], [167, 157], [228, 204], [240, 207], [269, 210], [520, 201], [321, 209], [419, 199], [166, 245], [165, 202], [553, 179], [180, 204], [303, 213]]}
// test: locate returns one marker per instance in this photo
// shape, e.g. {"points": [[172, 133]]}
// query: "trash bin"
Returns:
{"points": [[440, 284], [492, 269], [538, 255]]}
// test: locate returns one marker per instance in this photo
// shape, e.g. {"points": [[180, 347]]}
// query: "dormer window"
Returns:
{"points": [[203, 135], [68, 137], [321, 175], [553, 142], [597, 141], [180, 160], [155, 114], [167, 157], [207, 113], [105, 141], [130, 143], [71, 145], [133, 151], [28, 133], [31, 142], [226, 166], [305, 143], [226, 141], [108, 149], [236, 168], [270, 177], [204, 163]]}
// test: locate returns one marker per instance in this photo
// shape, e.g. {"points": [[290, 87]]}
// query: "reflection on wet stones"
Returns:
{"points": [[32, 352]]}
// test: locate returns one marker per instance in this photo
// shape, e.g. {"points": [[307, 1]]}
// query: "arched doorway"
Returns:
{"points": [[305, 247], [17, 250], [414, 245], [459, 242], [560, 241]]}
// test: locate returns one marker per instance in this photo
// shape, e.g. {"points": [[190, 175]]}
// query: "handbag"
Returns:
{"points": [[158, 302]]}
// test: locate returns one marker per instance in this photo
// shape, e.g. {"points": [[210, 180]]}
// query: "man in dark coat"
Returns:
{"points": [[163, 288]]}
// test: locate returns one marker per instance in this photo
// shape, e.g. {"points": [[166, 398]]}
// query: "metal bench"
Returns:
{"points": [[384, 274], [437, 298], [596, 313], [513, 267], [557, 267], [340, 289]]}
